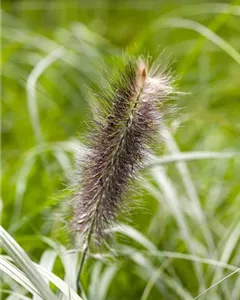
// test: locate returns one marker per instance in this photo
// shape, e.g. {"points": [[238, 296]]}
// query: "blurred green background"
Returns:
{"points": [[51, 52]]}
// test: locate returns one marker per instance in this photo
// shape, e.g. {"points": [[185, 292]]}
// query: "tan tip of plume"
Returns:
{"points": [[141, 73]]}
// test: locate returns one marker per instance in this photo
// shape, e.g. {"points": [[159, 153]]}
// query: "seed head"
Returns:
{"points": [[118, 147]]}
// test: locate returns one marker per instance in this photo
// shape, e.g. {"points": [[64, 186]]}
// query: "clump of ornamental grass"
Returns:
{"points": [[119, 146]]}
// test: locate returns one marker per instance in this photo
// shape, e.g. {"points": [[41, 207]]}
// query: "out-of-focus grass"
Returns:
{"points": [[186, 237]]}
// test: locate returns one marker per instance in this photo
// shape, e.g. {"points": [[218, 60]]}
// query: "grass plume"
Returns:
{"points": [[119, 146]]}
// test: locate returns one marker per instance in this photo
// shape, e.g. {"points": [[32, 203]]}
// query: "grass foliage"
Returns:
{"points": [[184, 240]]}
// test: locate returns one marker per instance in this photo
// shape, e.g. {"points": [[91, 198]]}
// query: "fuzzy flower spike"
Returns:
{"points": [[118, 148]]}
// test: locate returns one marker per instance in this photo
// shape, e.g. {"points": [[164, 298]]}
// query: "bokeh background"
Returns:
{"points": [[185, 237]]}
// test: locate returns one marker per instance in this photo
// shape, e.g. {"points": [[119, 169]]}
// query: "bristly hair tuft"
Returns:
{"points": [[118, 147]]}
